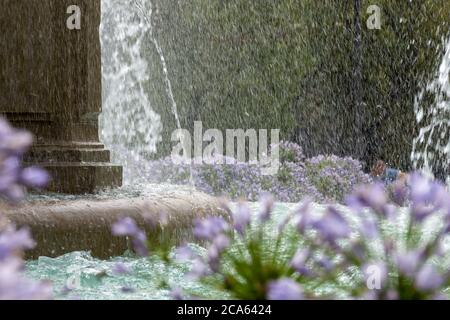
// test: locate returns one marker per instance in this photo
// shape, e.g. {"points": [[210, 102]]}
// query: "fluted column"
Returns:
{"points": [[50, 84]]}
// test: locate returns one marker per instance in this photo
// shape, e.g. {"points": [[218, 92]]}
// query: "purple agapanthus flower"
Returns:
{"points": [[267, 203], [184, 254], [332, 226], [209, 228], [373, 196], [127, 289], [199, 269], [408, 262], [14, 286], [422, 189], [420, 211], [13, 178], [121, 268], [284, 289], [177, 293], [298, 262], [139, 241], [34, 177], [305, 216], [12, 241], [126, 227], [13, 141], [241, 217], [428, 279], [219, 244]]}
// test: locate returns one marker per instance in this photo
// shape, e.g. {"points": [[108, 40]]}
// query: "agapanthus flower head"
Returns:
{"points": [[127, 289], [428, 279], [325, 262], [13, 178], [420, 211], [199, 269], [372, 196], [177, 293], [139, 241], [304, 215], [422, 189], [267, 202], [408, 262], [332, 226], [14, 286], [184, 254], [369, 227], [400, 192], [12, 140], [213, 258], [442, 198], [298, 262], [13, 241], [209, 228], [161, 219], [221, 242], [34, 177], [125, 227], [284, 289], [241, 217], [121, 268]]}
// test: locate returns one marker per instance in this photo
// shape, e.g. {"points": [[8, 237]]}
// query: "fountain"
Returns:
{"points": [[431, 148], [50, 84]]}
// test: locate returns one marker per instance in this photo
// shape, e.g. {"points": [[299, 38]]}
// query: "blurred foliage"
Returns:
{"points": [[290, 64]]}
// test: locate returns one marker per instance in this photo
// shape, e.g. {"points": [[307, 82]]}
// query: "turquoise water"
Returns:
{"points": [[92, 278]]}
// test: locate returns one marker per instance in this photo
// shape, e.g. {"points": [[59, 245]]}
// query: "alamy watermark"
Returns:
{"points": [[374, 20], [208, 147], [73, 22], [375, 275]]}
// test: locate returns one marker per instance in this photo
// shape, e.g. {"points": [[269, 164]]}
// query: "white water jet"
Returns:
{"points": [[130, 127], [431, 148], [147, 16]]}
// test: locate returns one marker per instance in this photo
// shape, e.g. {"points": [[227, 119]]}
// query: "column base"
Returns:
{"points": [[82, 178], [77, 169]]}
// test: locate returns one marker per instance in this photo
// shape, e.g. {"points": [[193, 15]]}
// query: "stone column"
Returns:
{"points": [[50, 84]]}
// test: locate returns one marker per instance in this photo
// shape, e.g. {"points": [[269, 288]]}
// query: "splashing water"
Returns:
{"points": [[129, 125], [148, 19], [131, 129], [431, 148]]}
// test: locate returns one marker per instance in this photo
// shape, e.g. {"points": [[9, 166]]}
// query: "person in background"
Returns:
{"points": [[387, 175]]}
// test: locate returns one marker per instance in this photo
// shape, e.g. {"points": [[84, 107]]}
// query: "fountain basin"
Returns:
{"points": [[63, 226]]}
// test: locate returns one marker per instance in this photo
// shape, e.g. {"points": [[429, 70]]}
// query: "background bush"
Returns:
{"points": [[293, 65], [322, 178]]}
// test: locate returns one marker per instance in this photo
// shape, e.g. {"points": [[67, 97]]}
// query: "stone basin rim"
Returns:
{"points": [[63, 226]]}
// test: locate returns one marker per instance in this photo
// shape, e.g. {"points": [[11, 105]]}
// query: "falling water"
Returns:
{"points": [[130, 127], [147, 16], [431, 148]]}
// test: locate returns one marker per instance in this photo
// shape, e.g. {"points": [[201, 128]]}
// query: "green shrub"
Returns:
{"points": [[290, 65]]}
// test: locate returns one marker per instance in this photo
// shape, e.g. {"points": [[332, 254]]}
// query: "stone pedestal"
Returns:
{"points": [[50, 84]]}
